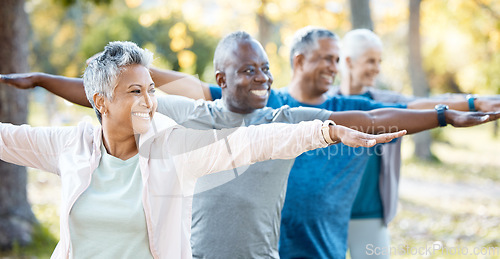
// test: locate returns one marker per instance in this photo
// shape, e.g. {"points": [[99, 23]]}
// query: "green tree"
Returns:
{"points": [[418, 77], [16, 217]]}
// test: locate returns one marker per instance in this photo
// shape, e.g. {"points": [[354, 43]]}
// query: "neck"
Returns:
{"points": [[300, 90], [347, 87], [235, 108], [122, 146]]}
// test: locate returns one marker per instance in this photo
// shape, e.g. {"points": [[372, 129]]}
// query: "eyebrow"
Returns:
{"points": [[255, 64], [135, 84]]}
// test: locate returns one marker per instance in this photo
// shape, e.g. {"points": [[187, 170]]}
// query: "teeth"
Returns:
{"points": [[328, 77], [141, 114], [259, 92]]}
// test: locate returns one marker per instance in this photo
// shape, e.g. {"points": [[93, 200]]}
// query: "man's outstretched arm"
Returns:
{"points": [[391, 120], [177, 83], [68, 88], [72, 89], [483, 103]]}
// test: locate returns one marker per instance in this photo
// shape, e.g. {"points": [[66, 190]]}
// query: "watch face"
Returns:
{"points": [[441, 107]]}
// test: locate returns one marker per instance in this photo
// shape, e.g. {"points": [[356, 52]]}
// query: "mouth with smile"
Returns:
{"points": [[260, 93], [328, 77], [142, 115]]}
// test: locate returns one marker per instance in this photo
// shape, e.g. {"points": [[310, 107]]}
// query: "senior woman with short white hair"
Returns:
{"points": [[127, 185]]}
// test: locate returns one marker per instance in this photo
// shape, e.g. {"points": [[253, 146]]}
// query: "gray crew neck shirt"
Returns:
{"points": [[237, 213]]}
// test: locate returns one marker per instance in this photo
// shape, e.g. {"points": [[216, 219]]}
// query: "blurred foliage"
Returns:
{"points": [[462, 45], [460, 39], [67, 3], [63, 41]]}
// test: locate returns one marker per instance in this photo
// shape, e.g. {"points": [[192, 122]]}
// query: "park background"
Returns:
{"points": [[450, 196]]}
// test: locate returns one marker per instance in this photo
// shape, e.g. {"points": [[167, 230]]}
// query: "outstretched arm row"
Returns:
{"points": [[72, 89], [373, 122], [392, 120]]}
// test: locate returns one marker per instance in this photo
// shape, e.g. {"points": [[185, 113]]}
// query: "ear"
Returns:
{"points": [[99, 103], [348, 61], [220, 78], [298, 61]]}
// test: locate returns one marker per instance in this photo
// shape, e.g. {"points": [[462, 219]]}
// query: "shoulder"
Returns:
{"points": [[384, 95], [215, 91], [279, 97], [288, 114], [342, 103], [174, 101]]}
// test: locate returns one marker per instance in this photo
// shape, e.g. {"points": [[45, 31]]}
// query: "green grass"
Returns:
{"points": [[42, 246], [454, 202]]}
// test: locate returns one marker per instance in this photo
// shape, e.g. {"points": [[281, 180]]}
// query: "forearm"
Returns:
{"points": [[387, 120], [177, 83], [68, 88], [230, 148], [459, 105]]}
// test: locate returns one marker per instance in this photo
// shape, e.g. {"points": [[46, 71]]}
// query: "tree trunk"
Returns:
{"points": [[360, 14], [417, 77], [265, 25], [16, 217]]}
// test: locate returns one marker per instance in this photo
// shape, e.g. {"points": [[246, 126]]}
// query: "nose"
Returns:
{"points": [[377, 67], [148, 101], [261, 76], [334, 67]]}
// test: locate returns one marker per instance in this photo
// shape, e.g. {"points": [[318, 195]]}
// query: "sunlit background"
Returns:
{"points": [[460, 52]]}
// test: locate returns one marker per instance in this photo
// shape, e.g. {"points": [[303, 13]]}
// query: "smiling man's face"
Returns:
{"points": [[320, 66], [246, 79]]}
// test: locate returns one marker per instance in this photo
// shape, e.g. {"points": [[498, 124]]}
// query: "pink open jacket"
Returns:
{"points": [[171, 159]]}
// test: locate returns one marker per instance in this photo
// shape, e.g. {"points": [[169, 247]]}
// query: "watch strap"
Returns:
{"points": [[440, 108], [470, 100], [325, 130]]}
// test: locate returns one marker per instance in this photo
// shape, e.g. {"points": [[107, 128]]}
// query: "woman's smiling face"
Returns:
{"points": [[133, 103], [365, 68]]}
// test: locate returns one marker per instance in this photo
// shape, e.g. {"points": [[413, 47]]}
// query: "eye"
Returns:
{"points": [[265, 69], [249, 70], [152, 90], [137, 91]]}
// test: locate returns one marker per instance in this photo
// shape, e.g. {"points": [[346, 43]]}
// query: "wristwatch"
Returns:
{"points": [[325, 130], [470, 100], [440, 108]]}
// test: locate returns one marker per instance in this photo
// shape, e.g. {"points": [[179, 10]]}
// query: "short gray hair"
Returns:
{"points": [[227, 44], [101, 75], [306, 39]]}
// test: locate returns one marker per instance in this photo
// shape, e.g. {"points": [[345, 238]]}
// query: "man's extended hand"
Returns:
{"points": [[20, 80], [354, 138], [486, 104], [467, 119]]}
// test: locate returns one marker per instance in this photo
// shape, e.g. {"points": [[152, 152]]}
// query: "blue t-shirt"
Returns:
{"points": [[368, 203], [321, 187]]}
